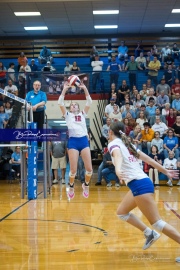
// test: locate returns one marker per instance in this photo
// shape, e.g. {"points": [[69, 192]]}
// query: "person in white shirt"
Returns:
{"points": [[165, 51], [170, 163], [78, 139], [141, 60], [160, 126], [11, 88], [24, 69], [125, 159], [97, 68], [68, 67], [116, 114], [11, 72], [110, 107]]}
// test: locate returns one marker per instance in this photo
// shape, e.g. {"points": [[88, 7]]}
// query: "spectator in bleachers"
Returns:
{"points": [[166, 109], [139, 49], [113, 91], [154, 67], [138, 101], [171, 118], [22, 60], [93, 52], [108, 171], [99, 174], [162, 99], [141, 60], [12, 88], [48, 67], [151, 108], [104, 132], [157, 141], [175, 88], [157, 113], [75, 69], [132, 66], [153, 173], [168, 75], [34, 68], [163, 87], [67, 69], [4, 117], [176, 102], [11, 72], [8, 109], [141, 119], [168, 61], [123, 104], [149, 84], [175, 51], [149, 58], [122, 50], [160, 126], [128, 109], [170, 143], [155, 51], [165, 51], [144, 92], [170, 163], [16, 161], [97, 68], [2, 75], [133, 93], [114, 69], [25, 69], [123, 90], [127, 126], [147, 136], [176, 127], [45, 56], [110, 107], [151, 96], [142, 109], [116, 114], [136, 136]]}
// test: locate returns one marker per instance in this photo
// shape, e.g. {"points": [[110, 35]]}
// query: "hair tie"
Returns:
{"points": [[122, 133]]}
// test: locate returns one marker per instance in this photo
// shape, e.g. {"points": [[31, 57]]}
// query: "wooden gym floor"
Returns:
{"points": [[55, 233]]}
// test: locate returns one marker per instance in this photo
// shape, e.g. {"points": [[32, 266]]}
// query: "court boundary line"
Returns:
{"points": [[17, 208]]}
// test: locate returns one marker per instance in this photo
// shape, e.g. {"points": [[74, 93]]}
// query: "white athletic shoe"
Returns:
{"points": [[178, 183], [117, 185], [55, 181], [109, 184], [169, 183], [85, 190], [177, 259], [150, 239], [63, 181]]}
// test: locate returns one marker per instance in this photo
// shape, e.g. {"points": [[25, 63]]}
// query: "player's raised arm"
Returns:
{"points": [[88, 98], [61, 98]]}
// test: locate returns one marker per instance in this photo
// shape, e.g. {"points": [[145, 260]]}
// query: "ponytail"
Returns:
{"points": [[118, 128]]}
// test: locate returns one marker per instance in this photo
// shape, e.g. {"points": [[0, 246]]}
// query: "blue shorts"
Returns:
{"points": [[142, 186], [78, 143]]}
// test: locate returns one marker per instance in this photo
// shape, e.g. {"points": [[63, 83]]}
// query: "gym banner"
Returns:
{"points": [[53, 84], [7, 135]]}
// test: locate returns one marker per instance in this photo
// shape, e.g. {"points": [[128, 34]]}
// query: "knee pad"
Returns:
{"points": [[124, 217], [72, 174], [159, 225], [89, 173]]}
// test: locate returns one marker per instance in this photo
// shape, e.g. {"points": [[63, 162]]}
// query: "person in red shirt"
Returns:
{"points": [[171, 118], [175, 88]]}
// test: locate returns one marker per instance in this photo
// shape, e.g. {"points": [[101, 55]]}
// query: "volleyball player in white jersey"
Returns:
{"points": [[78, 139], [125, 159]]}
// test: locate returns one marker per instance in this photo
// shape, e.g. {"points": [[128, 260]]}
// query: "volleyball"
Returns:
{"points": [[74, 80]]}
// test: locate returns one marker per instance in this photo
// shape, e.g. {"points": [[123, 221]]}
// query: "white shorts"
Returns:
{"points": [[58, 163]]}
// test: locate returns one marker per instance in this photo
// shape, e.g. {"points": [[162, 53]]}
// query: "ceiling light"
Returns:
{"points": [[172, 25], [36, 28], [105, 26], [59, 121], [27, 13], [101, 12], [176, 11]]}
